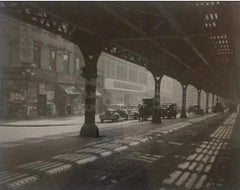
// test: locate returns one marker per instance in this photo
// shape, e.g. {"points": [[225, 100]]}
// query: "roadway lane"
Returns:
{"points": [[28, 149], [118, 147]]}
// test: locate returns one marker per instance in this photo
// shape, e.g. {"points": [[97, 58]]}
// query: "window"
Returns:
{"points": [[66, 62], [121, 71], [118, 71], [100, 67], [113, 70], [53, 59], [37, 55], [125, 73], [77, 66]]}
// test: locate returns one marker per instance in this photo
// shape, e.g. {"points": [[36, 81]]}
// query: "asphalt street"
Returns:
{"points": [[177, 154]]}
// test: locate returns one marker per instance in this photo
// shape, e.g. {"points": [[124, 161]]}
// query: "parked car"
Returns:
{"points": [[168, 110], [110, 115], [121, 109], [133, 112], [195, 110]]}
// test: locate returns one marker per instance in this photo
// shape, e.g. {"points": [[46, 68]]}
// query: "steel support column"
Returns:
{"points": [[207, 98], [184, 96], [198, 100], [89, 129], [213, 99], [156, 117]]}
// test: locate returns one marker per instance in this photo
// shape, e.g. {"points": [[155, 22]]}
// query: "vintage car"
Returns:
{"points": [[219, 108], [195, 110], [133, 112], [121, 109], [110, 115], [168, 110], [146, 109]]}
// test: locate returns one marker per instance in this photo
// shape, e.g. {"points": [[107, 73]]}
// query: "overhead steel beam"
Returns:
{"points": [[178, 28], [140, 32], [144, 35], [74, 23], [161, 37], [120, 18]]}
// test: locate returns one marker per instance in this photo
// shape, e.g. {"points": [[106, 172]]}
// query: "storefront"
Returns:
{"points": [[20, 99], [46, 100], [70, 100]]}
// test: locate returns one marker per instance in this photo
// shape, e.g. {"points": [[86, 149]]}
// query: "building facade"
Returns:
{"points": [[39, 73], [122, 81]]}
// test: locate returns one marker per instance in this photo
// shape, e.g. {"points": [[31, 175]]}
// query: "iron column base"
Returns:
{"points": [[89, 130]]}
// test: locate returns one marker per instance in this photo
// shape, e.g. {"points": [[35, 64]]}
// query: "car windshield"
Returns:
{"points": [[121, 107]]}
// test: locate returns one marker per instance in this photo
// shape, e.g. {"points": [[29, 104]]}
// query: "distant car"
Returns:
{"points": [[168, 110], [110, 115], [133, 112], [121, 109], [195, 110], [218, 108]]}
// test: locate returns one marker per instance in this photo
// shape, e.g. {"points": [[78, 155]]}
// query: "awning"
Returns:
{"points": [[98, 93], [70, 89]]}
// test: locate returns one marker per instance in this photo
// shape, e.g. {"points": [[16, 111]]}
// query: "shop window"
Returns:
{"points": [[66, 62], [37, 55], [53, 59]]}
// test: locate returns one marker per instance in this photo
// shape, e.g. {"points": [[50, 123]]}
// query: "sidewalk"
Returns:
{"points": [[43, 122], [58, 121]]}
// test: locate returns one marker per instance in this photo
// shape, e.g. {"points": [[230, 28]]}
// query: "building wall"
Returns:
{"points": [[18, 44], [123, 81]]}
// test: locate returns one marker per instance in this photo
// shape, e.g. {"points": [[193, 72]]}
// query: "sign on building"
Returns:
{"points": [[42, 88]]}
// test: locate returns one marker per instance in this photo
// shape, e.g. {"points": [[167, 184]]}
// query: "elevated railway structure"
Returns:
{"points": [[195, 43]]}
